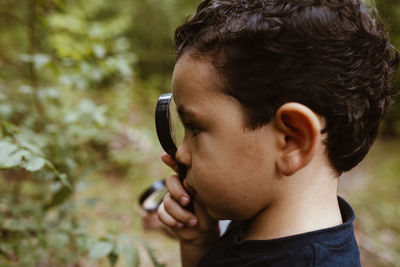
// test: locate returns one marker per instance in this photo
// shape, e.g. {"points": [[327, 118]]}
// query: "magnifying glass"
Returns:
{"points": [[170, 132]]}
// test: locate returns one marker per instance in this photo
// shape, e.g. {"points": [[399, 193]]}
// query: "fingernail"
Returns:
{"points": [[179, 225], [184, 200], [192, 222]]}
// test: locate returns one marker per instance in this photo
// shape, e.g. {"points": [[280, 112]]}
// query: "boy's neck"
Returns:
{"points": [[308, 204]]}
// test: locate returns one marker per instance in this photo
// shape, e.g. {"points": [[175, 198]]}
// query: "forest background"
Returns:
{"points": [[78, 85]]}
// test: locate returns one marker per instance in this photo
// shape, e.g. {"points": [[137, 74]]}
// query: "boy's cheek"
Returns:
{"points": [[222, 198]]}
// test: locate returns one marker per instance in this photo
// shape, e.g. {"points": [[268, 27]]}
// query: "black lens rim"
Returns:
{"points": [[163, 125]]}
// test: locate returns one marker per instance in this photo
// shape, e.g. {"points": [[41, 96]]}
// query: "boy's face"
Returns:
{"points": [[231, 168]]}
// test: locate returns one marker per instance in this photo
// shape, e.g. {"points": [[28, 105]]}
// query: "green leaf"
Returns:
{"points": [[131, 255], [29, 146], [153, 257], [6, 148], [15, 159], [7, 129], [59, 197], [99, 50], [64, 180], [33, 163], [8, 158], [40, 60], [86, 106], [59, 240], [6, 111], [11, 156], [100, 250], [18, 225]]}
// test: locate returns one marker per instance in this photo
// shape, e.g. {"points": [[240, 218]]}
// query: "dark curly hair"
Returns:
{"points": [[333, 56]]}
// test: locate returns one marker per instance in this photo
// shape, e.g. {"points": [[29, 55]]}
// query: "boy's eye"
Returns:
{"points": [[193, 128]]}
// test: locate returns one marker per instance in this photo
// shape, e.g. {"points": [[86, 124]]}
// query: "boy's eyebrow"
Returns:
{"points": [[185, 112]]}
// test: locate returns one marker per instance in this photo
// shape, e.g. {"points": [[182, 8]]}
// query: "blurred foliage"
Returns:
{"points": [[373, 190], [78, 83], [390, 12], [70, 86]]}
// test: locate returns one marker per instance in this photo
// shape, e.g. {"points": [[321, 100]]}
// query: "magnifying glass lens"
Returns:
{"points": [[177, 130]]}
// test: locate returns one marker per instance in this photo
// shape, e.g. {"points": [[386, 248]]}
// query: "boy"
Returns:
{"points": [[278, 98]]}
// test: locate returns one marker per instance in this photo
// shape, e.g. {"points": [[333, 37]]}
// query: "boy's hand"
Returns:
{"points": [[196, 230]]}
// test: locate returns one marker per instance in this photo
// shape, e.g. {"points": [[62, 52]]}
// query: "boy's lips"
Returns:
{"points": [[189, 189]]}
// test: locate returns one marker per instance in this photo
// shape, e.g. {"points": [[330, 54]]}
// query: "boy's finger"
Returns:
{"points": [[167, 159], [175, 188], [178, 212], [167, 219]]}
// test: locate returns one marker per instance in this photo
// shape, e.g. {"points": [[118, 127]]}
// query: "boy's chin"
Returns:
{"points": [[215, 214]]}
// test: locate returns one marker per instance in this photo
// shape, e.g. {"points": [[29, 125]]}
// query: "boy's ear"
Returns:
{"points": [[299, 135]]}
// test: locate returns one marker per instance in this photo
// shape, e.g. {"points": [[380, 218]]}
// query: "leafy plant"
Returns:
{"points": [[56, 129]]}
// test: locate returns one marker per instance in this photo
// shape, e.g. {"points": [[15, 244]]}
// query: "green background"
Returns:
{"points": [[78, 86]]}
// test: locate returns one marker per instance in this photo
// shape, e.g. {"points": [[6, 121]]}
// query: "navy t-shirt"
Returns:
{"points": [[330, 247]]}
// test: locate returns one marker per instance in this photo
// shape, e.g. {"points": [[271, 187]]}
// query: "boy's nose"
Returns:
{"points": [[183, 155]]}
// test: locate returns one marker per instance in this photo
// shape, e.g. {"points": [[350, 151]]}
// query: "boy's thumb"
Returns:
{"points": [[205, 222]]}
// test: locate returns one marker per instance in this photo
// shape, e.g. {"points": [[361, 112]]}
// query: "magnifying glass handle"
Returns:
{"points": [[181, 172]]}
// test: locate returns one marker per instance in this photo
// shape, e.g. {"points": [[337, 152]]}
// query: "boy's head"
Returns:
{"points": [[331, 56]]}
